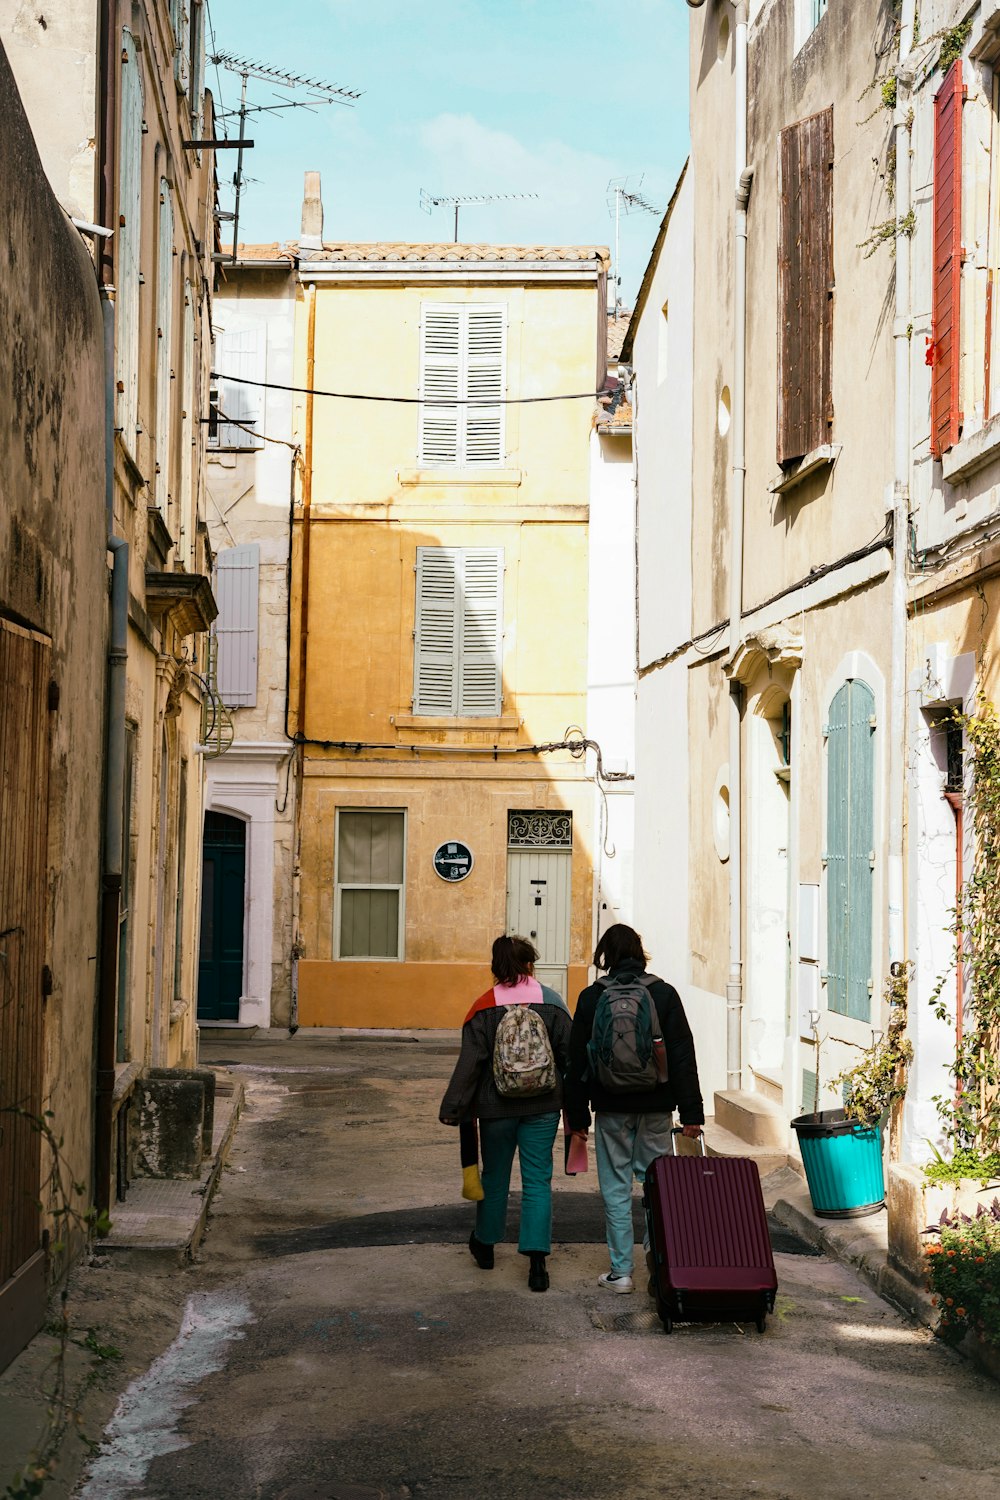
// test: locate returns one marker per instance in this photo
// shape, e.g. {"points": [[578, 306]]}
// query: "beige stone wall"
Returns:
{"points": [[53, 578]]}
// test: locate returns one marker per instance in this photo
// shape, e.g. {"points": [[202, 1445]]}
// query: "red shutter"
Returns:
{"points": [[946, 417]]}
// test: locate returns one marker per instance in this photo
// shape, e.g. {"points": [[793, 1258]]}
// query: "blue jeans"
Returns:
{"points": [[625, 1145], [532, 1137]]}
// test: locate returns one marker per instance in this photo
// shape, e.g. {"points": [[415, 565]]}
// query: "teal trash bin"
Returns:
{"points": [[843, 1162]]}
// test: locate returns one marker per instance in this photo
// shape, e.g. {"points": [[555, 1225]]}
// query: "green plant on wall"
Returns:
{"points": [[963, 1273], [878, 1079], [953, 44], [971, 1113]]}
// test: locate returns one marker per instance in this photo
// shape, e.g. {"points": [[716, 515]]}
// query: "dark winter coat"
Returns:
{"points": [[681, 1091], [472, 1094]]}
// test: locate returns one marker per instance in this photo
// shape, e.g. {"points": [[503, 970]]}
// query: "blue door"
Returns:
{"points": [[223, 885]]}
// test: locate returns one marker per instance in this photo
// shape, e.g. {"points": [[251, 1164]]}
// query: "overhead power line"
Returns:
{"points": [[303, 390]]}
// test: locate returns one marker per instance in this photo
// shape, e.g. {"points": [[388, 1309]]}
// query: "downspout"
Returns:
{"points": [[307, 475], [900, 505], [114, 788], [743, 179]]}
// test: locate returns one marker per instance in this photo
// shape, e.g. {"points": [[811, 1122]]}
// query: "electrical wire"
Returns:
{"points": [[302, 390], [232, 422]]}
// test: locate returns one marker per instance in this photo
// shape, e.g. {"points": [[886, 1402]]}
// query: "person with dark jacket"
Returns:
{"points": [[526, 1124], [631, 1129]]}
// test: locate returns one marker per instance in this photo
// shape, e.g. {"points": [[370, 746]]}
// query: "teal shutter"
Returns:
{"points": [[837, 827], [850, 841], [861, 842]]}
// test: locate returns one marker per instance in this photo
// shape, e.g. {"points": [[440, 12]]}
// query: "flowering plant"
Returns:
{"points": [[963, 1273]]}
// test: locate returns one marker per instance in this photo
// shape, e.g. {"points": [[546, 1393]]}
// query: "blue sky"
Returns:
{"points": [[553, 97]]}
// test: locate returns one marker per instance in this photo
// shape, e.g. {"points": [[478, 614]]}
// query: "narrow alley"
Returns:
{"points": [[339, 1342]]}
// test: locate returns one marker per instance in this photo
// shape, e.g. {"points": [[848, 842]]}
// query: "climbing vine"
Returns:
{"points": [[971, 1114], [62, 1195], [878, 1079]]}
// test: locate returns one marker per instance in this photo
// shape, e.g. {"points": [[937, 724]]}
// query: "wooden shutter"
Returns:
{"points": [[481, 608], [197, 95], [164, 342], [849, 857], [436, 635], [186, 498], [128, 242], [25, 668], [180, 19], [485, 337], [805, 286], [861, 875], [837, 863], [237, 572], [240, 352], [440, 383], [945, 351]]}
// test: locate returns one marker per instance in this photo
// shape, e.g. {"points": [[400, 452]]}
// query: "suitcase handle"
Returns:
{"points": [[679, 1130]]}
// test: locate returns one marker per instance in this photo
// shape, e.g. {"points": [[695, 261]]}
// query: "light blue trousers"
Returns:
{"points": [[625, 1145], [532, 1137]]}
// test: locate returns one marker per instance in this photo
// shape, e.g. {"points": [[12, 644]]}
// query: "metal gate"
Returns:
{"points": [[24, 798], [539, 884]]}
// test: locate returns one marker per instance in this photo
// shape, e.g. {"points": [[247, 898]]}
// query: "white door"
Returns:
{"points": [[538, 905]]}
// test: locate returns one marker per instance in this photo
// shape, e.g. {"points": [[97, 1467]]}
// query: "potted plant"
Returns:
{"points": [[963, 1273], [842, 1148]]}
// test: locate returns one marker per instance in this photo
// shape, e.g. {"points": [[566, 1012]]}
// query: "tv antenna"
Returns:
{"points": [[429, 201], [316, 90], [624, 197]]}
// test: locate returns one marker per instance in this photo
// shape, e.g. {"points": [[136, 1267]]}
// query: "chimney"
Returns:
{"points": [[311, 237]]}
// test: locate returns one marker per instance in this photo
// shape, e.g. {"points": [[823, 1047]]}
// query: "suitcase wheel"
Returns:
{"points": [[762, 1322], [667, 1321]]}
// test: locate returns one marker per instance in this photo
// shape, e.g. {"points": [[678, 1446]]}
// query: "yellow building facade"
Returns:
{"points": [[439, 622]]}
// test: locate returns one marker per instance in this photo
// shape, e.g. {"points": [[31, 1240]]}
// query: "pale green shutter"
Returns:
{"points": [[436, 631], [164, 343], [861, 851], [127, 242], [481, 611], [837, 863], [850, 850]]}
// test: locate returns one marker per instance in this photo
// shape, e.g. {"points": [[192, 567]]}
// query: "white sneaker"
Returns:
{"points": [[615, 1281]]}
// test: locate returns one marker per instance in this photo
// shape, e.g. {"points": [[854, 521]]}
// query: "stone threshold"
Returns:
{"points": [[162, 1220]]}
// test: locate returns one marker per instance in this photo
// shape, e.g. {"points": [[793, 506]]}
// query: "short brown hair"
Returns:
{"points": [[512, 959]]}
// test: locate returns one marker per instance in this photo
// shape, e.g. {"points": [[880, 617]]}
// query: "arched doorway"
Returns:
{"points": [[223, 902]]}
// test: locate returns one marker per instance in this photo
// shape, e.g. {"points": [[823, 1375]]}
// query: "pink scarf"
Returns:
{"points": [[526, 991]]}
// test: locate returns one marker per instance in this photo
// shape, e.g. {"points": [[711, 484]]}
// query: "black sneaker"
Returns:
{"points": [[482, 1254], [538, 1276]]}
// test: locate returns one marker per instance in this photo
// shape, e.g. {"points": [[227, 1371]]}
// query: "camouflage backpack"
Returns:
{"points": [[523, 1061]]}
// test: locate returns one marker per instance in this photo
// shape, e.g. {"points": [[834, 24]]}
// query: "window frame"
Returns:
{"points": [[339, 887]]}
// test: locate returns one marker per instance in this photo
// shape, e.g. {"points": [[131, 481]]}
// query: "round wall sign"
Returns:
{"points": [[452, 861]]}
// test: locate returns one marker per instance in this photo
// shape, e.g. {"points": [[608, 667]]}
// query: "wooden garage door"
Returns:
{"points": [[24, 777]]}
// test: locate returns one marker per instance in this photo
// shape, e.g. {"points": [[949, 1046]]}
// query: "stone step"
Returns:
{"points": [[771, 1088], [722, 1142], [751, 1117]]}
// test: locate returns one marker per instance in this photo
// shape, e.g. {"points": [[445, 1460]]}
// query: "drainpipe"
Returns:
{"points": [[900, 508], [307, 476], [114, 787], [743, 179]]}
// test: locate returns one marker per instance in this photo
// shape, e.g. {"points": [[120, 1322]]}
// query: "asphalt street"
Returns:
{"points": [[336, 1341]]}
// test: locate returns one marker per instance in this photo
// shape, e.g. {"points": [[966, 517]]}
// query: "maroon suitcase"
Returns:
{"points": [[709, 1240]]}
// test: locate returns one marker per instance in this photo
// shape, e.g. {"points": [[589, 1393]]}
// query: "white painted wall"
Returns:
{"points": [[611, 668], [662, 358]]}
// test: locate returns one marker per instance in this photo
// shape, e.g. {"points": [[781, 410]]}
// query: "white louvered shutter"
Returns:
{"points": [[128, 241], [485, 337], [164, 343], [237, 571], [180, 19], [440, 383], [240, 352], [481, 603], [197, 95], [436, 634]]}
